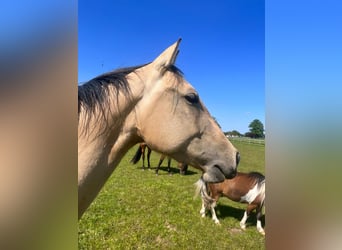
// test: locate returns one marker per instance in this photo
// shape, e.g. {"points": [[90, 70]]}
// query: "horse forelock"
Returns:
{"points": [[174, 69]]}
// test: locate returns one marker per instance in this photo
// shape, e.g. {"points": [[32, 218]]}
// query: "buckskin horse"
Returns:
{"points": [[150, 103]]}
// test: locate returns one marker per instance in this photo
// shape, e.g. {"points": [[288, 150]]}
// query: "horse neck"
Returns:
{"points": [[123, 130], [105, 124], [101, 150]]}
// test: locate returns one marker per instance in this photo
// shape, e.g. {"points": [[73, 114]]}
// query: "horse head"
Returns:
{"points": [[172, 119]]}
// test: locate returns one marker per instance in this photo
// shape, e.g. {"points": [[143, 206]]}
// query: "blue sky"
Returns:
{"points": [[221, 54]]}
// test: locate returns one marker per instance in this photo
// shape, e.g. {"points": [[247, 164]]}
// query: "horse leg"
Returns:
{"points": [[143, 156], [250, 208], [211, 206], [148, 157], [162, 157], [202, 211], [259, 225], [213, 213], [183, 168], [243, 221], [169, 165]]}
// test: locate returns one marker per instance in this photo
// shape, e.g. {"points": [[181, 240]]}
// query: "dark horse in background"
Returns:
{"points": [[140, 153], [244, 188]]}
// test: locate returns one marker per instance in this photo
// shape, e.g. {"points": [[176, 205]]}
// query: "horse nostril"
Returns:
{"points": [[237, 158]]}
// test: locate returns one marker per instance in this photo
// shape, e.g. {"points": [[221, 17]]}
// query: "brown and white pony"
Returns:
{"points": [[244, 188], [151, 103]]}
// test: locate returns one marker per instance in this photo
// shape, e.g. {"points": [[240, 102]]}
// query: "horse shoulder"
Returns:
{"points": [[215, 190]]}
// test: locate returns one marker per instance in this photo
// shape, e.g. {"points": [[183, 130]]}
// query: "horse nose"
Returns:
{"points": [[237, 158]]}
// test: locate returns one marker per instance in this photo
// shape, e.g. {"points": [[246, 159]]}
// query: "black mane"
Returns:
{"points": [[260, 178], [95, 91]]}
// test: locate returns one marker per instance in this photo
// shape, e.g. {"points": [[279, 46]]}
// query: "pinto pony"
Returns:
{"points": [[244, 188], [150, 103]]}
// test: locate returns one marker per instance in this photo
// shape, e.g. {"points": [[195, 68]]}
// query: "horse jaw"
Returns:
{"points": [[213, 173]]}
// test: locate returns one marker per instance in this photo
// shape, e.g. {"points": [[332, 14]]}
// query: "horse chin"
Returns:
{"points": [[215, 174]]}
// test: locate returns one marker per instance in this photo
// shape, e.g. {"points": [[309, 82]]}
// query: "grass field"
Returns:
{"points": [[138, 210]]}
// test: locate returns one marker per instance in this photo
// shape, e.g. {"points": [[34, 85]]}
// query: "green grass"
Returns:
{"points": [[138, 210]]}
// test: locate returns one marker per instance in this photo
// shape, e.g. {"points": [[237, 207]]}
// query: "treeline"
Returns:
{"points": [[256, 130]]}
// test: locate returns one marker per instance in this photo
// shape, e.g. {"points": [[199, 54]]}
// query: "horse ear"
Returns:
{"points": [[168, 57]]}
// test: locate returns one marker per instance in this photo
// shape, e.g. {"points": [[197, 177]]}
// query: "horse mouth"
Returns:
{"points": [[230, 175], [216, 174]]}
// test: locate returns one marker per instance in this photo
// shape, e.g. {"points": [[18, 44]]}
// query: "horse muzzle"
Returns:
{"points": [[218, 173]]}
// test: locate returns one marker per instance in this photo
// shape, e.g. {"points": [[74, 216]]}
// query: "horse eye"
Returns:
{"points": [[192, 98]]}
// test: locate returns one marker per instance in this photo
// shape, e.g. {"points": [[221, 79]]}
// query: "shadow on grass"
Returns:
{"points": [[164, 170], [224, 211]]}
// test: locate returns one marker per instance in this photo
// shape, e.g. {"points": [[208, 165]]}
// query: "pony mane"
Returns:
{"points": [[259, 178]]}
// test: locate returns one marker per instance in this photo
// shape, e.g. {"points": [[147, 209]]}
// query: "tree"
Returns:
{"points": [[233, 133], [256, 129]]}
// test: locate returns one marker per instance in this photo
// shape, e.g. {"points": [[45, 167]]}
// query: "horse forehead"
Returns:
{"points": [[182, 85], [172, 77]]}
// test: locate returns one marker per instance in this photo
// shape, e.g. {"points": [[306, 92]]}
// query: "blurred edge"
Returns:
{"points": [[38, 120], [303, 117], [38, 124]]}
